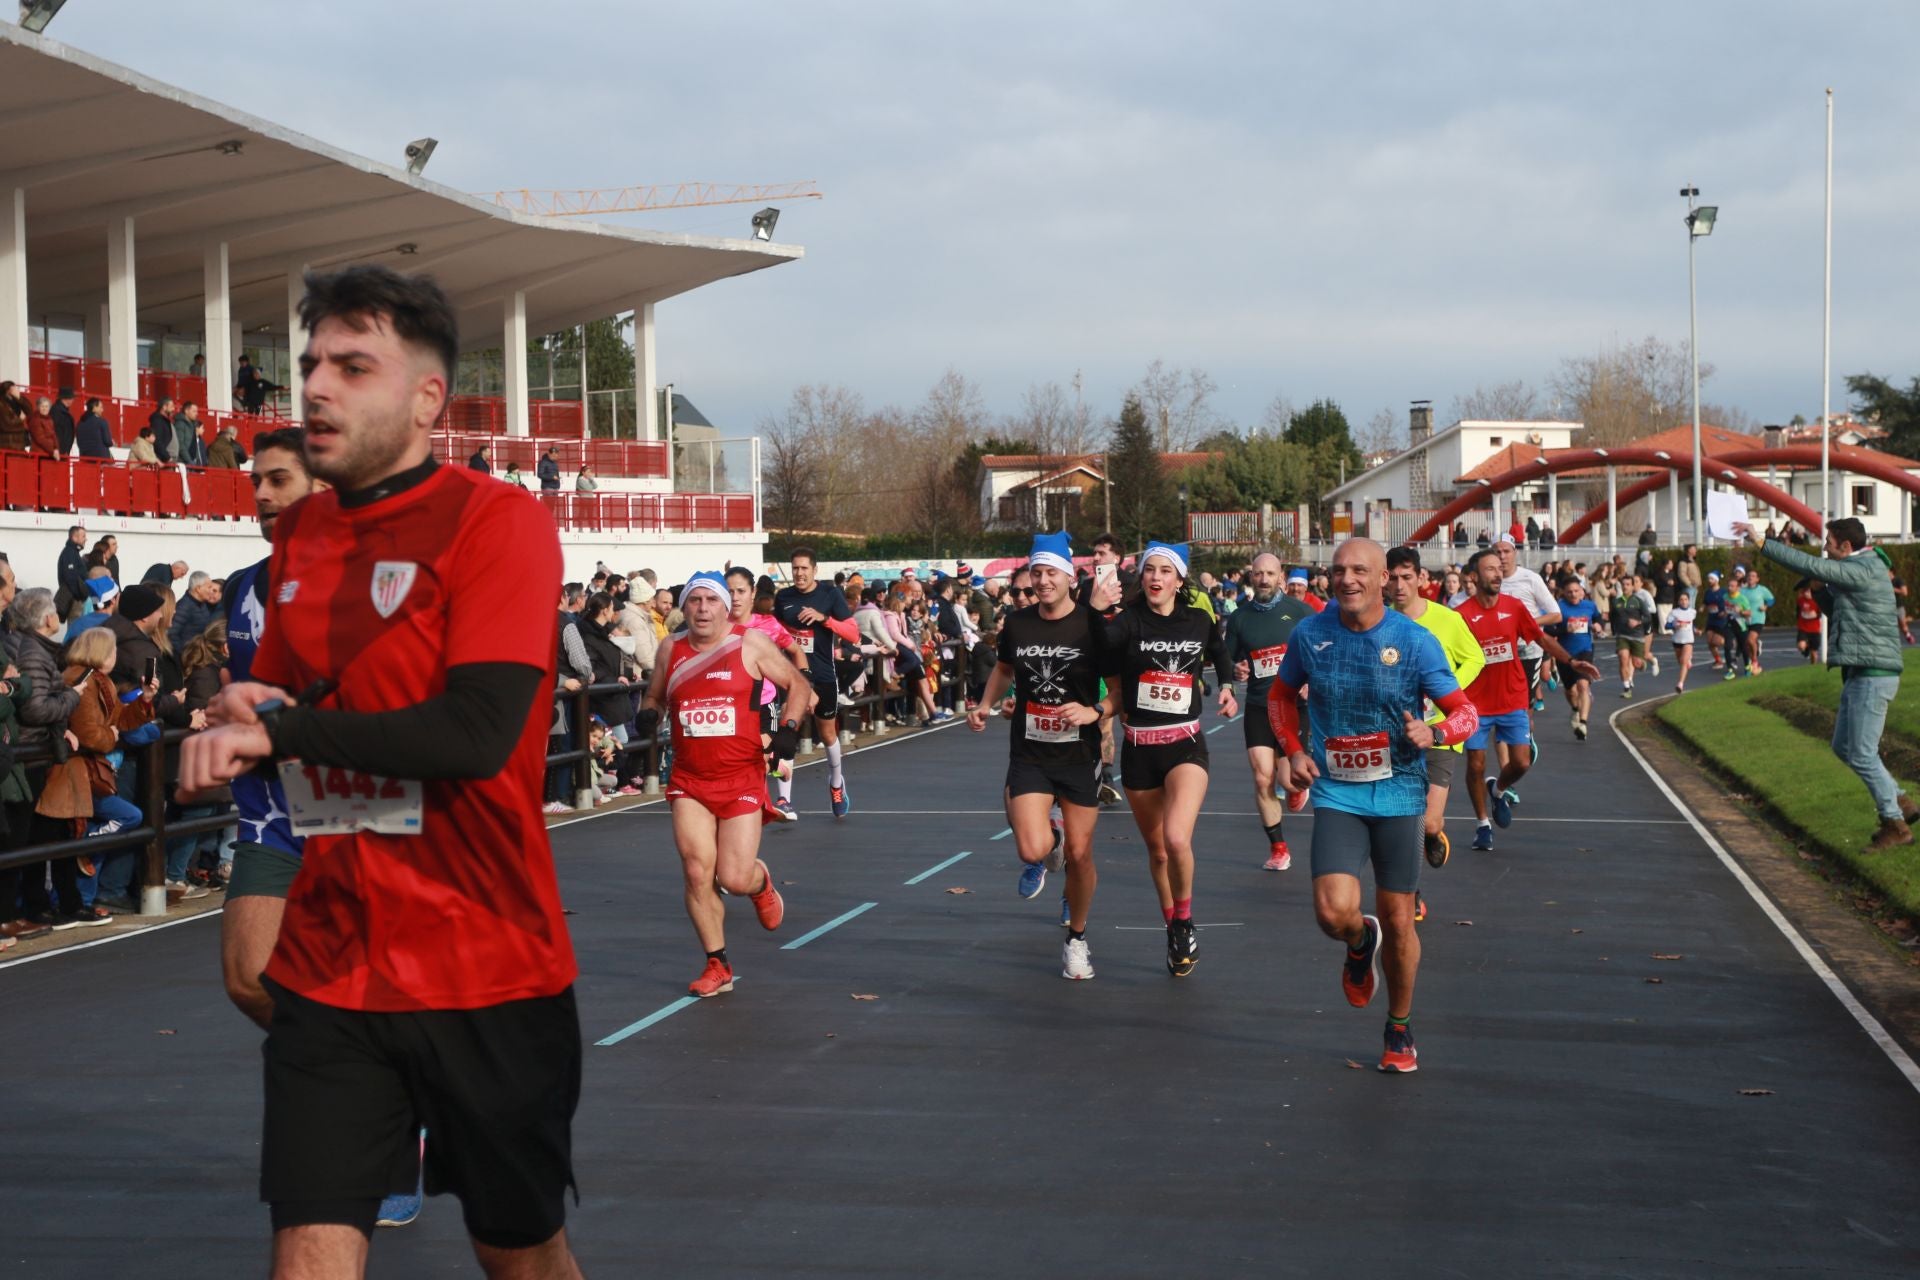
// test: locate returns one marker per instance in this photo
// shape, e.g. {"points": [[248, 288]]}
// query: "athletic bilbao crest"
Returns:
{"points": [[392, 579]]}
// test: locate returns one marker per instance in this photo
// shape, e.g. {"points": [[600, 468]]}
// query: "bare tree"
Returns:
{"points": [[1513, 401], [1279, 413], [1624, 393], [1049, 418], [787, 475], [1381, 434], [1177, 405]]}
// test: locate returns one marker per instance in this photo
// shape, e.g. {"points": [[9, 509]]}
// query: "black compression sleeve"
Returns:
{"points": [[468, 731], [1217, 653]]}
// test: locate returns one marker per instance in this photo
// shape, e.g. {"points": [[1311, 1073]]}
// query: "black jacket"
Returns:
{"points": [[63, 426], [549, 473], [94, 436], [72, 573], [162, 434], [615, 707], [42, 662], [477, 463]]}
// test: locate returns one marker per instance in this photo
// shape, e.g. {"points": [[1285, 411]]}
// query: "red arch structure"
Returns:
{"points": [[1844, 457]]}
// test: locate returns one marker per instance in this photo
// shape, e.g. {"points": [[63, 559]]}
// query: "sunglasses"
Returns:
{"points": [[1022, 591]]}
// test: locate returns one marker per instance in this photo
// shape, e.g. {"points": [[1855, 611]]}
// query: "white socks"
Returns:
{"points": [[835, 777]]}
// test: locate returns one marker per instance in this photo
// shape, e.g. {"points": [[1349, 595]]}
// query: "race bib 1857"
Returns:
{"points": [[1050, 724]]}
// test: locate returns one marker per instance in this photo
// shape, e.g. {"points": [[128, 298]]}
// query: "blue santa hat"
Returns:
{"points": [[1174, 553], [1055, 550], [707, 580], [1299, 575]]}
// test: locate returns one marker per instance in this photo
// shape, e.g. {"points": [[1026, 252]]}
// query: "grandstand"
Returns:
{"points": [[142, 225]]}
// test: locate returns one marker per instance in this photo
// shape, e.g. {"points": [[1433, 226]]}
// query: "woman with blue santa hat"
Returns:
{"points": [[1159, 646]]}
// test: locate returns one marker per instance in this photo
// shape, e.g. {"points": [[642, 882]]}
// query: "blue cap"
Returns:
{"points": [[707, 580], [1054, 550], [1174, 553], [1299, 575]]}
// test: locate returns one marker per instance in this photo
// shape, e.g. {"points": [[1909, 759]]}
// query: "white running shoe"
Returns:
{"points": [[1076, 961], [1653, 662]]}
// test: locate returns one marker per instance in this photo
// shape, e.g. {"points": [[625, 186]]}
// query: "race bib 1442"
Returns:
{"points": [[323, 801]]}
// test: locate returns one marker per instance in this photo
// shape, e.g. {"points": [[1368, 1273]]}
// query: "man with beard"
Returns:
{"points": [[1257, 636]]}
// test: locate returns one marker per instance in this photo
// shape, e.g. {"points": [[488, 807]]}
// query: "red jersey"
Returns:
{"points": [[384, 599], [1806, 612], [1500, 628], [716, 722]]}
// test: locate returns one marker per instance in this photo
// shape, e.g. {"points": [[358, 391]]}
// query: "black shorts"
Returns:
{"points": [[1568, 676], [1144, 767], [1077, 783], [261, 871], [826, 697], [1257, 728], [1532, 667], [348, 1092]]}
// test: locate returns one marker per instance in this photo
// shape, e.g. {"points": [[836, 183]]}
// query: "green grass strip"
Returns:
{"points": [[1795, 775]]}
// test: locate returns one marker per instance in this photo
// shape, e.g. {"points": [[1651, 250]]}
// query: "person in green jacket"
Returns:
{"points": [[1863, 640]]}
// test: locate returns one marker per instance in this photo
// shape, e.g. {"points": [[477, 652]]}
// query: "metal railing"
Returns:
{"points": [[156, 786]]}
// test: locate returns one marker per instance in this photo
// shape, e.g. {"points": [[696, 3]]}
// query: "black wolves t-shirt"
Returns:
{"points": [[1053, 663]]}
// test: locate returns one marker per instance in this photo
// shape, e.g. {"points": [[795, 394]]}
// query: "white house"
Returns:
{"points": [[1430, 471]]}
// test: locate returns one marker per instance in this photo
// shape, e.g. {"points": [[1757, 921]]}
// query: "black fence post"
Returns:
{"points": [[583, 736]]}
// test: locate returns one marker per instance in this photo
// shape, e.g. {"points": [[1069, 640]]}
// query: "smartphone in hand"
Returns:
{"points": [[1105, 573], [153, 670]]}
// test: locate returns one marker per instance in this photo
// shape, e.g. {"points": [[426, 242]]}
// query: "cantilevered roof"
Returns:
{"points": [[91, 142]]}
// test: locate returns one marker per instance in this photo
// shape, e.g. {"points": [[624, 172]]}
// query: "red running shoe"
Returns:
{"points": [[768, 904], [715, 979], [1400, 1056], [1278, 858], [1297, 800], [1359, 975]]}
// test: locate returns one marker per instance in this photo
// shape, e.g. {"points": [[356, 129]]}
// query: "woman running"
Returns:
{"points": [[1680, 621], [1159, 645]]}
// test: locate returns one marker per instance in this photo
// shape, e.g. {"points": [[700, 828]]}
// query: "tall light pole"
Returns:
{"points": [[1699, 223]]}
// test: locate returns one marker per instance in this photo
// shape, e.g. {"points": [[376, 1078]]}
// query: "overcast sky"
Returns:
{"points": [[1370, 202]]}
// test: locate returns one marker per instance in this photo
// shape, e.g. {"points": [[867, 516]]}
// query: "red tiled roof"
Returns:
{"points": [[1092, 461]]}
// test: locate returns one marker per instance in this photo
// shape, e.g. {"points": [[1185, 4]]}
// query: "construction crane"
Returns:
{"points": [[683, 195]]}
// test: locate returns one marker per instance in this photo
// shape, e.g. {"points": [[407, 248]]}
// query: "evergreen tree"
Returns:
{"points": [[1146, 503], [1322, 423]]}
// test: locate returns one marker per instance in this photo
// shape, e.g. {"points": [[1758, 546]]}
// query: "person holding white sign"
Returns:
{"points": [[1048, 658], [1257, 635], [1160, 646], [710, 685], [1369, 673]]}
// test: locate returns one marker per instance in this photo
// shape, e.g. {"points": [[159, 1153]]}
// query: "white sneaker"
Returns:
{"points": [[553, 806], [1653, 664], [1076, 961]]}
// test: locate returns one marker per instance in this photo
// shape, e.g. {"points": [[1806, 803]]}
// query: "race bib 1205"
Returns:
{"points": [[1360, 757]]}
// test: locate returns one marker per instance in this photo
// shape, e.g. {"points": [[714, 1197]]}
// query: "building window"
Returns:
{"points": [[1539, 500], [1495, 441], [1863, 499], [1007, 511]]}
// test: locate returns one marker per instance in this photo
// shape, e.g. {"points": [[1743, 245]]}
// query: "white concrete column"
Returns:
{"points": [[1673, 507], [1613, 508], [13, 285], [645, 374], [514, 347], [219, 331], [123, 310], [296, 336], [1553, 505]]}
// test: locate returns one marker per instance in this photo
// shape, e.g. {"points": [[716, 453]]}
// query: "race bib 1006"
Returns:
{"points": [[1497, 650], [1168, 691], [707, 718], [1266, 662], [1050, 724], [323, 801], [1360, 757]]}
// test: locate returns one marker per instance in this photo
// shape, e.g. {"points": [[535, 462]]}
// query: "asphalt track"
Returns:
{"points": [[1578, 1112]]}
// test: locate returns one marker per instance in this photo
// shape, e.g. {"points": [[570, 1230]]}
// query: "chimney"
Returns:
{"points": [[1420, 421], [1419, 431]]}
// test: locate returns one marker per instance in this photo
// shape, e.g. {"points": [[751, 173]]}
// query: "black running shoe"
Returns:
{"points": [[1183, 947], [1439, 849]]}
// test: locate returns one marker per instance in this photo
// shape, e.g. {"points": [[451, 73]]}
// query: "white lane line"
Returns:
{"points": [[1868, 1023], [118, 937]]}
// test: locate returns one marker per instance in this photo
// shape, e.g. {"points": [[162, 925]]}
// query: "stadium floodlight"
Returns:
{"points": [[763, 223], [419, 151], [36, 14], [1701, 219]]}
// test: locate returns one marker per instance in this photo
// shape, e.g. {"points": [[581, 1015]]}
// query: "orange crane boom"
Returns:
{"points": [[669, 195]]}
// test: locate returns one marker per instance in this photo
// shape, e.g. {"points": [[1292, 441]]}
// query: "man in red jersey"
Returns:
{"points": [[709, 683], [1502, 692], [423, 973]]}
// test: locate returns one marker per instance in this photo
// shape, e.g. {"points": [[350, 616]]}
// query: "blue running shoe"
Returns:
{"points": [[1512, 798], [1033, 878], [398, 1210], [841, 805], [1502, 811], [1483, 838], [1066, 913]]}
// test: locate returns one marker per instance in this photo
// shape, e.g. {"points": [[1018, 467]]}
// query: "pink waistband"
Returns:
{"points": [[1159, 735]]}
